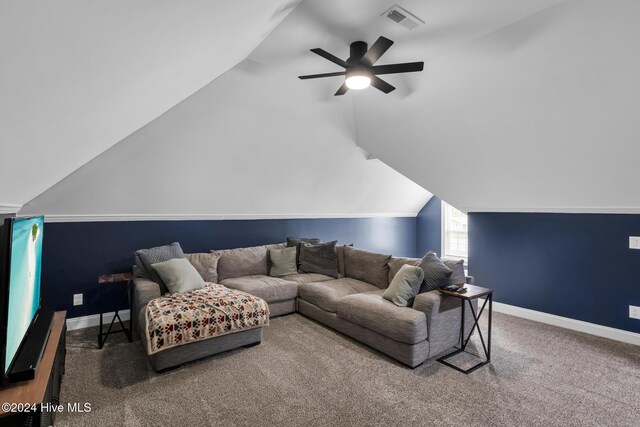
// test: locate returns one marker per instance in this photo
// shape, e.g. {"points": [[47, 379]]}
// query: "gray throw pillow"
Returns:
{"points": [[436, 274], [458, 277], [283, 262], [367, 266], [156, 255], [404, 286], [321, 259], [297, 242], [138, 269], [179, 275]]}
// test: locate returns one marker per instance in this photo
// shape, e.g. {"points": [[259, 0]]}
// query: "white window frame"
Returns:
{"points": [[443, 236]]}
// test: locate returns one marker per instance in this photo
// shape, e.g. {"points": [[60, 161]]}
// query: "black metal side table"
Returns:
{"points": [[102, 336], [473, 292]]}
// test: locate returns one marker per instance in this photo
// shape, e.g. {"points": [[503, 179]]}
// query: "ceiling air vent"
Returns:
{"points": [[403, 17]]}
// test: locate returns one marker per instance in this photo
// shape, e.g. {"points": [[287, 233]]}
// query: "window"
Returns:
{"points": [[454, 233]]}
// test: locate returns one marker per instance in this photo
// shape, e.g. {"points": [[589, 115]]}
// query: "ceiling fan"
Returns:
{"points": [[359, 69]]}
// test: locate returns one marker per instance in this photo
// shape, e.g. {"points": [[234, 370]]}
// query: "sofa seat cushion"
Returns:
{"points": [[326, 295], [372, 311], [270, 289], [302, 278]]}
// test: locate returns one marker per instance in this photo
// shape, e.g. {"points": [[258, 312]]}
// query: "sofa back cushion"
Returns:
{"points": [[205, 263], [321, 259], [243, 261], [458, 276], [396, 263], [367, 266]]}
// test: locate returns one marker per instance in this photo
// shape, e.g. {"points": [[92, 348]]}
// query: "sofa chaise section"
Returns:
{"points": [[143, 291]]}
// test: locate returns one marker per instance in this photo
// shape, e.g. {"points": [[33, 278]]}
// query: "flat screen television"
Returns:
{"points": [[21, 258]]}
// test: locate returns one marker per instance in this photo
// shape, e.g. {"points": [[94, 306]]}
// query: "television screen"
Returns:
{"points": [[24, 282]]}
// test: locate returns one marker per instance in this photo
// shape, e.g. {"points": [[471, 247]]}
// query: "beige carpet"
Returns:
{"points": [[305, 374]]}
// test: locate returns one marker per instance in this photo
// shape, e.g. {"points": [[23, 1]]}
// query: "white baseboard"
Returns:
{"points": [[94, 320], [525, 313], [567, 323]]}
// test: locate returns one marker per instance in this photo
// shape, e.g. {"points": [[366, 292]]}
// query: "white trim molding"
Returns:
{"points": [[583, 210], [568, 323], [94, 320], [7, 208], [211, 217]]}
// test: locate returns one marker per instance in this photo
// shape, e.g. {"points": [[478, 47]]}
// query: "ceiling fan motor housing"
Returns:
{"points": [[357, 51]]}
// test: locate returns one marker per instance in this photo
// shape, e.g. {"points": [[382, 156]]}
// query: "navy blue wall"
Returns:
{"points": [[75, 254], [429, 228], [572, 265]]}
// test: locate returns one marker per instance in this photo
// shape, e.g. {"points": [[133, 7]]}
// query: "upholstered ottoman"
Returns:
{"points": [[179, 328]]}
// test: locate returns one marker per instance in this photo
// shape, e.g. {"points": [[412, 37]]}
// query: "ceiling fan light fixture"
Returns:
{"points": [[359, 78]]}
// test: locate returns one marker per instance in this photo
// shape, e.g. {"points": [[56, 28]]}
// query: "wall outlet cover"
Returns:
{"points": [[634, 312], [634, 242], [77, 299]]}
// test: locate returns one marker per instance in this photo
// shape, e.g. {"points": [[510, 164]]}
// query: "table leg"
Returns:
{"points": [[100, 342]]}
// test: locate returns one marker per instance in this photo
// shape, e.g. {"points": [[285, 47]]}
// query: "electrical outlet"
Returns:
{"points": [[634, 242], [77, 299], [634, 312]]}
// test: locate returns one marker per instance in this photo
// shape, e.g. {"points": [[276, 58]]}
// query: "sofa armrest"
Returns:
{"points": [[144, 290], [470, 280], [443, 319]]}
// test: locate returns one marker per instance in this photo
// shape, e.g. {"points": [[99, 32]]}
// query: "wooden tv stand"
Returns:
{"points": [[44, 388]]}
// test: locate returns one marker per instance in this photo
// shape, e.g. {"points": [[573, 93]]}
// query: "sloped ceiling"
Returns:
{"points": [[541, 115], [242, 147], [523, 106], [79, 76]]}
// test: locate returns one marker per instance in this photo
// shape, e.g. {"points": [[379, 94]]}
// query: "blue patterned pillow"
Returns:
{"points": [[157, 255]]}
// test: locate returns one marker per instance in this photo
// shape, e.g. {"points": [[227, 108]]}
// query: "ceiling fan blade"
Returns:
{"points": [[330, 57], [380, 84], [317, 76], [406, 67], [343, 89], [376, 50]]}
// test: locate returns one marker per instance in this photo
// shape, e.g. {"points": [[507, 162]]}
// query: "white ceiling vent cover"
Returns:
{"points": [[403, 17]]}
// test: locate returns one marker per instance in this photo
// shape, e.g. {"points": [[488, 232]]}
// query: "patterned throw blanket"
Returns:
{"points": [[209, 312]]}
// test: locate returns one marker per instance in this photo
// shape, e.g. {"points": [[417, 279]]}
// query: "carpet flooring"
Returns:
{"points": [[304, 374]]}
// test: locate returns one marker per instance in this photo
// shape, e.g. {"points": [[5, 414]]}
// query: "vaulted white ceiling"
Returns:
{"points": [[523, 105], [79, 76]]}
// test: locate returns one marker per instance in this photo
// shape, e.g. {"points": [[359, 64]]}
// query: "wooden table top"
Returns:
{"points": [[33, 391], [472, 292]]}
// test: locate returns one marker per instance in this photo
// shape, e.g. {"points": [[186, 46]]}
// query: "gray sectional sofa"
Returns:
{"points": [[352, 304]]}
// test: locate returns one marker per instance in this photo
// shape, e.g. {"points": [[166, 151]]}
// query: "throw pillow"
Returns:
{"points": [[156, 255], [138, 269], [321, 259], [369, 267], [436, 274], [297, 242], [206, 263], [404, 286], [458, 277], [179, 275], [283, 262]]}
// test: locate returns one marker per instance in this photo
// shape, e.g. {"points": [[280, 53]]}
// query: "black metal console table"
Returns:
{"points": [[473, 292]]}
